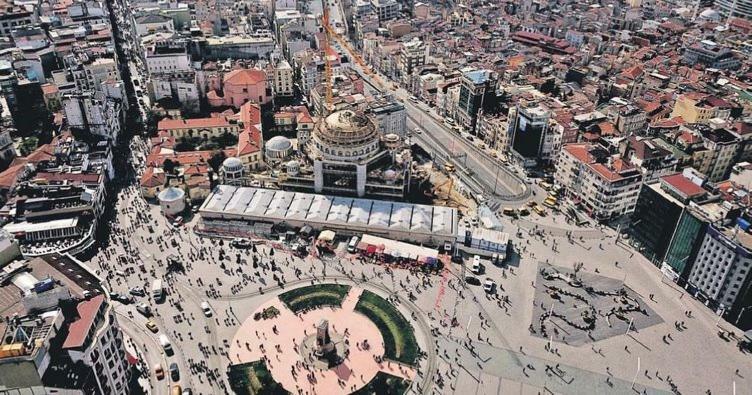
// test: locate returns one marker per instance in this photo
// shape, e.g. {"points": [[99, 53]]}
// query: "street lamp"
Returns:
{"points": [[739, 317]]}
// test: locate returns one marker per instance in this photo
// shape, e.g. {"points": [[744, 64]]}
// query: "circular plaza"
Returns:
{"points": [[324, 339]]}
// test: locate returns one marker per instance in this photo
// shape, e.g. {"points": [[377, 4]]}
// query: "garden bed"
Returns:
{"points": [[399, 338], [314, 296]]}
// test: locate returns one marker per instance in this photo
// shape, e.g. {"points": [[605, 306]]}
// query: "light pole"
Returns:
{"points": [[739, 317], [636, 373]]}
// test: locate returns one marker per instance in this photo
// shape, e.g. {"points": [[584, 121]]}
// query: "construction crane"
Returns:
{"points": [[331, 33], [327, 63]]}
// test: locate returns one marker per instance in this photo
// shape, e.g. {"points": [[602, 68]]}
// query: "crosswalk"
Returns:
{"points": [[494, 206]]}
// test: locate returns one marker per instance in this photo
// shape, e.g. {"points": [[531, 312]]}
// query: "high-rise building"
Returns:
{"points": [[531, 136], [412, 55], [735, 8], [659, 210], [476, 87], [721, 274], [386, 9]]}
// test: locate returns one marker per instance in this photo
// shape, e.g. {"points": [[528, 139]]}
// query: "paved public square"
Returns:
{"points": [[597, 308], [474, 342]]}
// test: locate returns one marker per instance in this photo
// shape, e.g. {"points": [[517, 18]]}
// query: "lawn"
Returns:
{"points": [[253, 378], [399, 339], [314, 296], [384, 384]]}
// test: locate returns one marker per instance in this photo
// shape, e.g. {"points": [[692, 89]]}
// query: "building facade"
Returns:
{"points": [[606, 186]]}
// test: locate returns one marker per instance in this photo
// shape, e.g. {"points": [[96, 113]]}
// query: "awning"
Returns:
{"points": [[327, 235]]}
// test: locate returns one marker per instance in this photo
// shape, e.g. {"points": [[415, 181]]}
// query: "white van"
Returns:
{"points": [[157, 291], [476, 264], [164, 341], [353, 245]]}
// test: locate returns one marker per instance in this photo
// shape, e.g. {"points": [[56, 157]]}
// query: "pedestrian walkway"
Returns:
{"points": [[563, 230], [348, 304], [493, 367]]}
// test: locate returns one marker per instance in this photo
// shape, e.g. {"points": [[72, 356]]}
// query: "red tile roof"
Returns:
{"points": [[152, 178], [245, 77], [72, 178], [249, 141], [44, 153], [78, 329], [683, 185], [157, 158], [9, 176], [215, 122]]}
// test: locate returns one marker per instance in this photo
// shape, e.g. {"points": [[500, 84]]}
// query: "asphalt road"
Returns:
{"points": [[484, 174]]}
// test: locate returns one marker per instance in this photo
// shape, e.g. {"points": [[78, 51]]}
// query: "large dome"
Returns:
{"points": [[346, 136], [278, 143]]}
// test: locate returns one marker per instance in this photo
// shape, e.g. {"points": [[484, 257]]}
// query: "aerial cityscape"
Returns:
{"points": [[263, 197]]}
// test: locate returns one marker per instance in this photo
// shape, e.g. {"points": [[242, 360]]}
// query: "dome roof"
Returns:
{"points": [[171, 194], [278, 143], [710, 14], [347, 121], [232, 163], [391, 137]]}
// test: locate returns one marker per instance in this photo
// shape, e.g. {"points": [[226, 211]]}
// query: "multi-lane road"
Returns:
{"points": [[482, 173]]}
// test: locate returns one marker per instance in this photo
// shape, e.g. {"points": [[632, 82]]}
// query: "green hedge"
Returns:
{"points": [[315, 296], [399, 339], [253, 378], [384, 384]]}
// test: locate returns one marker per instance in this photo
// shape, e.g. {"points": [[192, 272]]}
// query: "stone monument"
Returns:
{"points": [[325, 348]]}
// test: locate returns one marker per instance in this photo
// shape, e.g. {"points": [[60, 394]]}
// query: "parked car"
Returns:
{"points": [[476, 268], [472, 280], [158, 372], [206, 308], [241, 243], [489, 285], [150, 325], [137, 291], [174, 372], [144, 309]]}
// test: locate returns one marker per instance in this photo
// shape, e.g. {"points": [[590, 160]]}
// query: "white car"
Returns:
{"points": [[489, 285], [206, 308]]}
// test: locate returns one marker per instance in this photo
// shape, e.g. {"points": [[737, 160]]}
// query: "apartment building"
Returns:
{"points": [[64, 337], [697, 107], [605, 185], [721, 271], [204, 128], [411, 56]]}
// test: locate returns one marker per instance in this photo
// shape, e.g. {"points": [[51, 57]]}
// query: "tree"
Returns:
{"points": [[169, 166], [28, 145], [216, 160]]}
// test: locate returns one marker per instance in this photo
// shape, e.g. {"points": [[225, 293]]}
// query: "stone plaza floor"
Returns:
{"points": [[568, 304], [257, 340]]}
